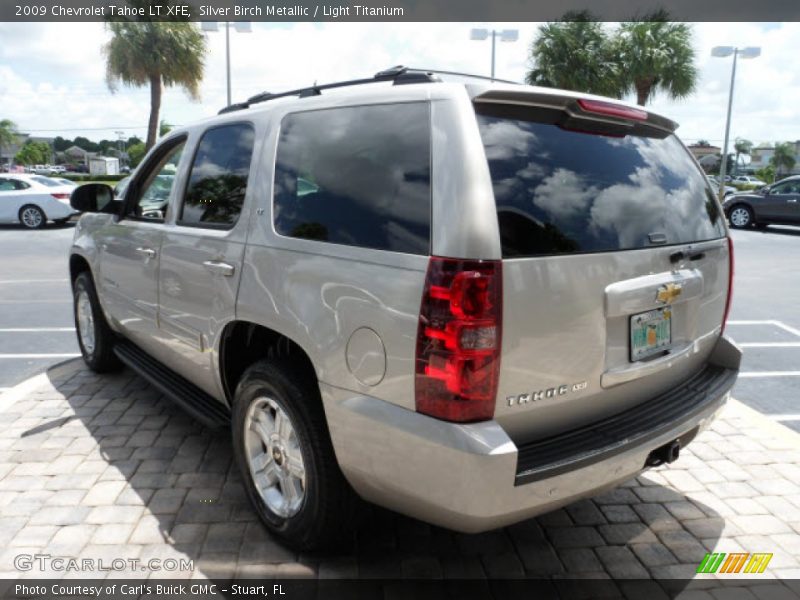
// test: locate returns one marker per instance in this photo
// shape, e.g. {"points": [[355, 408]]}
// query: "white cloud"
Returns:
{"points": [[52, 75]]}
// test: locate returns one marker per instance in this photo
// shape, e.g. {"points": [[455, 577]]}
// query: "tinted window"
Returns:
{"points": [[155, 190], [561, 191], [218, 180], [7, 185], [358, 176]]}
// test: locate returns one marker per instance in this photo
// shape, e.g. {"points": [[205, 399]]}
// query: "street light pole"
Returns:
{"points": [[228, 58], [241, 27], [506, 35], [494, 37], [722, 52]]}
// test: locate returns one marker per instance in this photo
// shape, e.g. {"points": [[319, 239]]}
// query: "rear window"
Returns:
{"points": [[562, 192]]}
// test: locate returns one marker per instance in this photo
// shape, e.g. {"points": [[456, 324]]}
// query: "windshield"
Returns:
{"points": [[562, 191]]}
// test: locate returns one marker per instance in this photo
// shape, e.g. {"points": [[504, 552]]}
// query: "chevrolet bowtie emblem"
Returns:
{"points": [[669, 292]]}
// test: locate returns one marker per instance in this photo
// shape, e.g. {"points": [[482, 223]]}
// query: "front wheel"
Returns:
{"points": [[741, 217], [32, 217], [283, 450], [95, 337]]}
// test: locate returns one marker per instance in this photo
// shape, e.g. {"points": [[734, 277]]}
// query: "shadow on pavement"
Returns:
{"points": [[152, 483]]}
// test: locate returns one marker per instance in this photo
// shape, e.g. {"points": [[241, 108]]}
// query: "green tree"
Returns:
{"points": [[136, 153], [783, 158], [164, 128], [742, 146], [766, 174], [33, 153], [8, 136], [574, 53], [155, 54], [703, 143], [656, 55]]}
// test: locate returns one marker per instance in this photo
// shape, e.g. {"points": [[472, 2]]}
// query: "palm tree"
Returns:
{"points": [[7, 136], [656, 54], [783, 157], [742, 146], [573, 53], [168, 54]]}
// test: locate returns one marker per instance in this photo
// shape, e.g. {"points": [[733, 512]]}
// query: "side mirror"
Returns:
{"points": [[764, 190], [92, 197]]}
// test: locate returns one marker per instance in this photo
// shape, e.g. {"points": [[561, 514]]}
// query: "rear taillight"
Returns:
{"points": [[730, 284], [458, 339], [60, 196], [612, 110]]}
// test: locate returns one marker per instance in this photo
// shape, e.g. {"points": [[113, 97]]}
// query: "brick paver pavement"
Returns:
{"points": [[102, 467]]}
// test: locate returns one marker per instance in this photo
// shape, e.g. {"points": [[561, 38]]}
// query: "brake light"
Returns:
{"points": [[60, 196], [730, 284], [612, 110], [458, 339]]}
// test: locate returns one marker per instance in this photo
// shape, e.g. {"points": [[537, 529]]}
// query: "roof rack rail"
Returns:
{"points": [[470, 75], [400, 75]]}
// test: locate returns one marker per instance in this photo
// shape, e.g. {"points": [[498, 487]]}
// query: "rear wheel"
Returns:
{"points": [[32, 217], [283, 450], [741, 217], [95, 337]]}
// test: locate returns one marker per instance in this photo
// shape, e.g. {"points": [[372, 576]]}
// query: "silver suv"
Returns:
{"points": [[469, 302]]}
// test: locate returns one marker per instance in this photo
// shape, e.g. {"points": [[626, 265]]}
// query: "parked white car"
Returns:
{"points": [[32, 200], [748, 180]]}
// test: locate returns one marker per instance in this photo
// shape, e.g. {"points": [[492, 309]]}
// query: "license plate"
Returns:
{"points": [[651, 332]]}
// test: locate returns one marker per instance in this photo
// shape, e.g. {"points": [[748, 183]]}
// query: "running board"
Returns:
{"points": [[204, 408]]}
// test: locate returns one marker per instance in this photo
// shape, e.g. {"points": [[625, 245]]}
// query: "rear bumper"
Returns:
{"points": [[473, 477]]}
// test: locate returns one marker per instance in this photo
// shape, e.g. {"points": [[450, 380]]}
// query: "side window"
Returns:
{"points": [[20, 185], [6, 185], [358, 176], [153, 191], [780, 189], [218, 180]]}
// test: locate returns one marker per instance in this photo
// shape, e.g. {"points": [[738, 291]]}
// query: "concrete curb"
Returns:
{"points": [[738, 409], [23, 388]]}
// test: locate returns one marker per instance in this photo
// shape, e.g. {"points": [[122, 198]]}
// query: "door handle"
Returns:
{"points": [[792, 200], [146, 252], [219, 268]]}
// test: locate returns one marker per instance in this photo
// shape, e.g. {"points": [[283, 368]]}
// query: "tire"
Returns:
{"points": [[32, 217], [95, 337], [290, 470], [740, 216]]}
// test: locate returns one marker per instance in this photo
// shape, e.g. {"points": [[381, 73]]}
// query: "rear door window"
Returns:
{"points": [[562, 191], [358, 176]]}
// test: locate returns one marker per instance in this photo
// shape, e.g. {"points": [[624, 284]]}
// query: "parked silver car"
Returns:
{"points": [[469, 303]]}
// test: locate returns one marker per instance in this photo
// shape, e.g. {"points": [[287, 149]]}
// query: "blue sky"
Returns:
{"points": [[52, 74]]}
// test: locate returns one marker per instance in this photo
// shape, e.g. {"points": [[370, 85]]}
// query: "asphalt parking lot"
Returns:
{"points": [[36, 326]]}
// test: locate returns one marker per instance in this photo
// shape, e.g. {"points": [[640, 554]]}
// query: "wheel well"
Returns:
{"points": [[77, 265], [244, 343]]}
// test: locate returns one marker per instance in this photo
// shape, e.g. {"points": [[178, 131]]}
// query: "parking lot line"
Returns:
{"points": [[750, 322], [784, 417], [36, 329], [13, 356], [780, 324], [16, 281], [762, 344], [770, 374], [786, 327]]}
